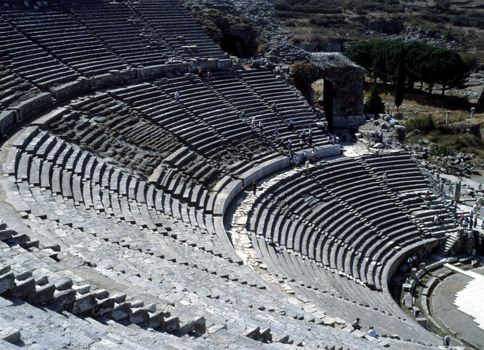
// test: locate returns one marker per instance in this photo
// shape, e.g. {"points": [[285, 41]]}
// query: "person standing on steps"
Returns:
{"points": [[176, 94], [372, 333], [356, 324], [254, 188]]}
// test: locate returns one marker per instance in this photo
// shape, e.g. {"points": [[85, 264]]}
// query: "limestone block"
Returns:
{"points": [[24, 287], [139, 315], [171, 324], [83, 303], [156, 319], [104, 306], [43, 294], [62, 299], [5, 234], [64, 284], [121, 311]]}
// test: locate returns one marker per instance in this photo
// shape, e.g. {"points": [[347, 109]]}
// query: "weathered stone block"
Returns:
{"points": [[7, 282], [43, 294]]}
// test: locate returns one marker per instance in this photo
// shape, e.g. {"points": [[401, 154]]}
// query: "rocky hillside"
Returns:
{"points": [[326, 25]]}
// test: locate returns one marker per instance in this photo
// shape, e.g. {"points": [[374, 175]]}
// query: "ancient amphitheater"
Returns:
{"points": [[128, 215]]}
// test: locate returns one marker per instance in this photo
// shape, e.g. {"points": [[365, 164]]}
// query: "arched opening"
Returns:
{"points": [[328, 95], [237, 46], [323, 96]]}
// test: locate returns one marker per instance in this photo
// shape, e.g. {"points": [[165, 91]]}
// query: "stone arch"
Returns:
{"points": [[343, 93], [343, 88]]}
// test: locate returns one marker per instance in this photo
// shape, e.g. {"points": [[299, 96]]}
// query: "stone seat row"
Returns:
{"points": [[289, 103], [322, 217], [30, 61], [204, 102], [58, 205], [308, 229], [410, 186], [13, 88], [402, 172], [368, 198], [123, 262], [66, 170], [337, 294], [104, 266], [163, 110], [83, 51], [177, 26], [139, 45], [26, 276], [306, 237]]}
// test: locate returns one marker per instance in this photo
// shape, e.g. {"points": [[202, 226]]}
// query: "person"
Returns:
{"points": [[372, 333], [289, 144], [274, 107], [313, 156], [290, 125], [446, 340], [356, 324], [436, 219], [385, 176], [253, 121], [254, 188], [427, 196], [306, 166], [208, 75], [177, 96], [260, 125]]}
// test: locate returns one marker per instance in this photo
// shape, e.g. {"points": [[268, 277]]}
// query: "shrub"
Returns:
{"points": [[440, 150], [424, 124]]}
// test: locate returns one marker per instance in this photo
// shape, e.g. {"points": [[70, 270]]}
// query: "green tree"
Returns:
{"points": [[480, 103], [423, 63], [401, 76], [374, 104]]}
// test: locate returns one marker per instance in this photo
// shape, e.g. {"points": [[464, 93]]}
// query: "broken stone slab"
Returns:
{"points": [[10, 335]]}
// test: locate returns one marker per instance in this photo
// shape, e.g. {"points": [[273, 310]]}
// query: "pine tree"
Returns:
{"points": [[401, 77], [480, 103]]}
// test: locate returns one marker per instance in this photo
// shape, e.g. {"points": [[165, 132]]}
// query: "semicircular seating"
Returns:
{"points": [[113, 189], [340, 215]]}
